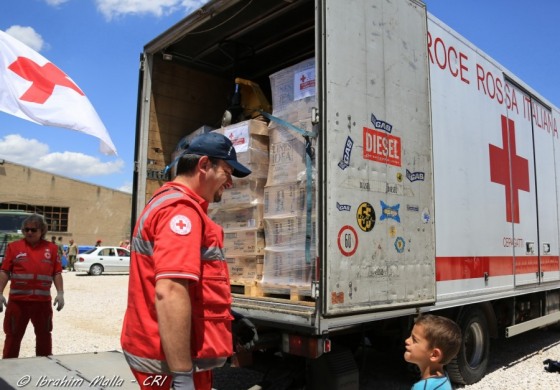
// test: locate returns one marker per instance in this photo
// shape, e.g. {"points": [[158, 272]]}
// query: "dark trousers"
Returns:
{"points": [[18, 315]]}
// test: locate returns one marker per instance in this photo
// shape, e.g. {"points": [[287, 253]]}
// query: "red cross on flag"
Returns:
{"points": [[33, 88]]}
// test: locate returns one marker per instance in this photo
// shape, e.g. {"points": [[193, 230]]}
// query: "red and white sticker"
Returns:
{"points": [[181, 225], [347, 240]]}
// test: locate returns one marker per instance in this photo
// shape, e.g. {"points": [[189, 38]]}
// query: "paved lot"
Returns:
{"points": [[91, 322]]}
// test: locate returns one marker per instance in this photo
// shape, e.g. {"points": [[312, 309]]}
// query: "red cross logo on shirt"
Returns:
{"points": [[181, 224], [44, 79], [513, 178]]}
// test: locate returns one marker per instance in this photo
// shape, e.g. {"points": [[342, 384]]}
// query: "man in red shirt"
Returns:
{"points": [[32, 264], [177, 325]]}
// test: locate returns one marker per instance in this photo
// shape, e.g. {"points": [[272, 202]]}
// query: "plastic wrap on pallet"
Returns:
{"points": [[288, 230], [250, 139], [245, 192], [287, 156], [289, 198], [293, 90], [285, 266], [244, 242], [249, 217], [243, 269]]}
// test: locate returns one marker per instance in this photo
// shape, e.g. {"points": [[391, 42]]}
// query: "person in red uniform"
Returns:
{"points": [[177, 325], [32, 264]]}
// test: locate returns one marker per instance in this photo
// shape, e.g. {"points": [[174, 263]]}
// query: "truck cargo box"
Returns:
{"points": [[340, 77]]}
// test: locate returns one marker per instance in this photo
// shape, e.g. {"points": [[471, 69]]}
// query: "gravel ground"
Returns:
{"points": [[92, 317]]}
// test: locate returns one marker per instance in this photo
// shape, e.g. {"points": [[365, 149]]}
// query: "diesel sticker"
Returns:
{"points": [[382, 147]]}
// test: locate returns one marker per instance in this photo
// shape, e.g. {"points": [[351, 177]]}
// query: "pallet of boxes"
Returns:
{"points": [[288, 267], [240, 212], [265, 216]]}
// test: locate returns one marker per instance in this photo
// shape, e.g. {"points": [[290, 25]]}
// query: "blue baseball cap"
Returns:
{"points": [[219, 146]]}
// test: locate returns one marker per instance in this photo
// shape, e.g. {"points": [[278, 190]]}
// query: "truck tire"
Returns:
{"points": [[469, 366]]}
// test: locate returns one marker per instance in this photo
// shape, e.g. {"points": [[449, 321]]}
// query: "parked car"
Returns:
{"points": [[103, 259]]}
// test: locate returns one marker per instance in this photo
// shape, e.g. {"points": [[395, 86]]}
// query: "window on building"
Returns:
{"points": [[56, 217]]}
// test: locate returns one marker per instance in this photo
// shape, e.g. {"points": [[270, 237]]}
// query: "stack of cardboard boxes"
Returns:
{"points": [[264, 216], [240, 211], [285, 205]]}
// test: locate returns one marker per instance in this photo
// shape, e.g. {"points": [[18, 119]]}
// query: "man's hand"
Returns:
{"points": [[59, 300], [183, 380], [244, 331], [3, 303]]}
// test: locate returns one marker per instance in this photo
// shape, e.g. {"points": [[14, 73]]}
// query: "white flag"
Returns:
{"points": [[33, 88]]}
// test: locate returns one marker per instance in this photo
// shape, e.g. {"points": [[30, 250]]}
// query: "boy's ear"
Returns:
{"points": [[436, 355]]}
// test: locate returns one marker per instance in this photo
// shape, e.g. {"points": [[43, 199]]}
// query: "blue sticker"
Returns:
{"points": [[345, 162], [390, 212], [414, 176], [343, 207], [399, 244], [425, 216], [381, 125]]}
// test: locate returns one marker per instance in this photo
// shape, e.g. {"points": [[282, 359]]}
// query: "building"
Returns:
{"points": [[72, 209]]}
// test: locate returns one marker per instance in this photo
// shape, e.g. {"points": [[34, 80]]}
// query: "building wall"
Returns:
{"points": [[95, 212]]}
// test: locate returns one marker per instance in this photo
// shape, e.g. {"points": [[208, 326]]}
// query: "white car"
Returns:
{"points": [[103, 259]]}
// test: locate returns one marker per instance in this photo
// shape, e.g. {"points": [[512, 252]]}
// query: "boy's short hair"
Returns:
{"points": [[441, 333]]}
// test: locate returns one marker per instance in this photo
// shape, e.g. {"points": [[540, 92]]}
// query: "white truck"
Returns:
{"points": [[428, 173]]}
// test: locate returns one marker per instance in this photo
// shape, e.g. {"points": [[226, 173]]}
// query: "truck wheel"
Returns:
{"points": [[469, 366]]}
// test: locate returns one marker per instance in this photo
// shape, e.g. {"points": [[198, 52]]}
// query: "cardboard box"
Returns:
{"points": [[250, 139], [287, 154], [289, 230], [288, 198], [244, 193], [244, 242], [234, 218], [293, 90], [287, 267], [245, 268]]}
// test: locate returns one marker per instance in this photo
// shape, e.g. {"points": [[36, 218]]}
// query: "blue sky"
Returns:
{"points": [[98, 43]]}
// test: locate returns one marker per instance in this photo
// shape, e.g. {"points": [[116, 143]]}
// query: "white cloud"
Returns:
{"points": [[28, 36], [126, 187], [55, 2], [116, 8], [33, 153]]}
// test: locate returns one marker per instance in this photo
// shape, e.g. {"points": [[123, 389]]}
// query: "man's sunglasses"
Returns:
{"points": [[32, 230]]}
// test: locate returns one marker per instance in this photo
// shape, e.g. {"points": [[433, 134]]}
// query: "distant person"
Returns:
{"points": [[97, 243], [72, 255], [433, 342], [61, 251], [32, 264]]}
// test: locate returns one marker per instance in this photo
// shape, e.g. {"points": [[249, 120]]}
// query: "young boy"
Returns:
{"points": [[433, 342]]}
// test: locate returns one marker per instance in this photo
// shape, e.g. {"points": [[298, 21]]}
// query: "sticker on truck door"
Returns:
{"points": [[347, 240], [382, 147]]}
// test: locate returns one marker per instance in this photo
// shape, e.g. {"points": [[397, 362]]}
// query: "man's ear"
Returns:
{"points": [[436, 355], [204, 163]]}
